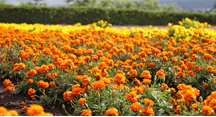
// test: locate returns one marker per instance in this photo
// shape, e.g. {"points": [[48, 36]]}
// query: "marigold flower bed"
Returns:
{"points": [[100, 70]]}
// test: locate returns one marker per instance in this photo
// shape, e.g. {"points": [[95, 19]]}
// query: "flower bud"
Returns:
{"points": [[201, 99]]}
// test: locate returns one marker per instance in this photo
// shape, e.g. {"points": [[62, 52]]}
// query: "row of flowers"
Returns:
{"points": [[105, 71]]}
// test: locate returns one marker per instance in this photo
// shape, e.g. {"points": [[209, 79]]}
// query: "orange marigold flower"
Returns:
{"points": [[86, 112], [3, 111], [136, 82], [35, 110], [132, 97], [111, 112], [30, 81], [212, 104], [119, 79], [22, 102], [98, 85], [191, 73], [147, 111], [146, 81], [205, 85], [25, 108], [8, 88], [180, 100], [135, 106], [106, 81], [164, 87], [7, 82], [31, 91], [181, 86], [197, 67], [47, 51], [194, 56], [40, 83], [148, 101], [210, 69], [146, 74], [189, 96], [82, 101], [174, 59], [195, 106], [45, 85], [13, 113], [76, 86], [52, 84], [151, 65], [31, 73], [207, 110]]}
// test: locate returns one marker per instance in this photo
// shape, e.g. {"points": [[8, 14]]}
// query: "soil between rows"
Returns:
{"points": [[13, 101]]}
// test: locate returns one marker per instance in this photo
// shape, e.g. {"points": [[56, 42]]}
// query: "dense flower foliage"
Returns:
{"points": [[110, 71]]}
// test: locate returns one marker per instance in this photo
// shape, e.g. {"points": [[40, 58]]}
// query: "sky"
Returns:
{"points": [[49, 2], [184, 4]]}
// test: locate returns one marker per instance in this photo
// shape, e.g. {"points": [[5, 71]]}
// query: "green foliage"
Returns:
{"points": [[87, 15]]}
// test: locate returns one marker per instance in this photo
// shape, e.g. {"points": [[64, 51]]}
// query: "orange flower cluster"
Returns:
{"points": [[31, 92], [5, 112], [132, 97], [86, 112], [82, 101], [9, 85], [188, 92], [135, 106], [18, 66], [111, 112], [37, 110], [147, 111], [43, 84]]}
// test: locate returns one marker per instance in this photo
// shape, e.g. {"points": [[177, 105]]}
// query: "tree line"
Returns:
{"points": [[133, 4]]}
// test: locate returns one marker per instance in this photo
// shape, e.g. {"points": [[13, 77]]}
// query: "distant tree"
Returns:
{"points": [[170, 7], [78, 2], [136, 4], [33, 2], [3, 1]]}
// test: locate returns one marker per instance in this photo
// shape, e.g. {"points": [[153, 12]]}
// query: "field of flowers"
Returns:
{"points": [[100, 70]]}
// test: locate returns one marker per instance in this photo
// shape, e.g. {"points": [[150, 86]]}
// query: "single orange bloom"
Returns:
{"points": [[148, 101], [13, 113], [212, 104], [30, 81], [8, 88], [7, 82], [119, 79], [210, 69], [207, 110], [132, 97], [35, 110], [146, 74], [151, 65], [98, 85], [31, 91], [40, 83], [147, 111], [191, 73], [205, 85], [136, 82], [197, 67], [164, 87], [135, 106], [174, 59], [82, 101], [52, 84], [86, 112], [22, 102], [111, 112], [146, 81]]}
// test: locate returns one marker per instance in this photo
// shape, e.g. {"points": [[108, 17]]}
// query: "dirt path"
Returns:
{"points": [[13, 101]]}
